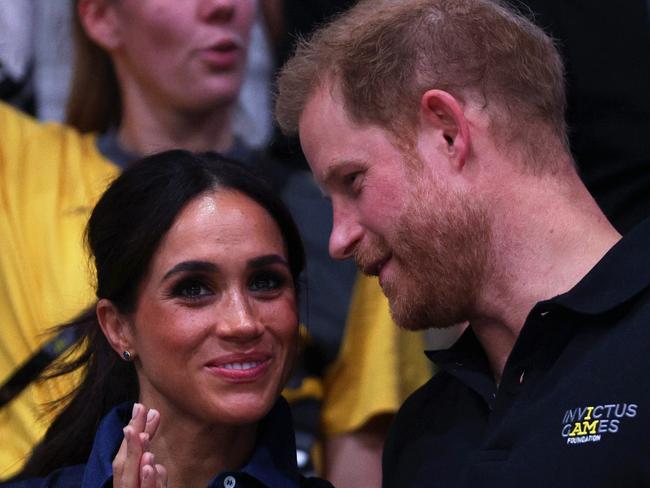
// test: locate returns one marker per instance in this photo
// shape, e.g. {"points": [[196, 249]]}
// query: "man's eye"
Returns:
{"points": [[352, 181], [266, 282], [351, 178], [191, 289]]}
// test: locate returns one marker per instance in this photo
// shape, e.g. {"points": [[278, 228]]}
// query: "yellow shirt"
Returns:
{"points": [[50, 177], [378, 366]]}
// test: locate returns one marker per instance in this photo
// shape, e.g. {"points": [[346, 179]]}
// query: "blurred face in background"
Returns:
{"points": [[187, 53]]}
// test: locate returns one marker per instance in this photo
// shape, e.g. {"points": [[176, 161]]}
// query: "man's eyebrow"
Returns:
{"points": [[185, 266], [333, 171]]}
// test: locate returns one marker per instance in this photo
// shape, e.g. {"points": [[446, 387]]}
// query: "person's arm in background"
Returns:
{"points": [[378, 366], [353, 459]]}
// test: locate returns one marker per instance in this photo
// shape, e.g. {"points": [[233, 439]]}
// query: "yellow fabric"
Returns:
{"points": [[311, 387], [378, 367], [50, 177]]}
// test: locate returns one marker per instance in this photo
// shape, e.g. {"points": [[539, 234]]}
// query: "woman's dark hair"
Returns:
{"points": [[123, 232]]}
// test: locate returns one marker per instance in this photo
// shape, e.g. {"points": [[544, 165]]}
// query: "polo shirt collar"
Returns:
{"points": [[273, 462], [621, 274], [466, 360]]}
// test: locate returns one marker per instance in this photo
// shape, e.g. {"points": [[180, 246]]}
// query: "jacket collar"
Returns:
{"points": [[273, 461]]}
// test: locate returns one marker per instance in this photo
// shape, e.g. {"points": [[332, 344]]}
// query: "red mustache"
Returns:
{"points": [[369, 255]]}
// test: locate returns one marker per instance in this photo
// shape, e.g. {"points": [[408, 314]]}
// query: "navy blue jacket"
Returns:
{"points": [[273, 463]]}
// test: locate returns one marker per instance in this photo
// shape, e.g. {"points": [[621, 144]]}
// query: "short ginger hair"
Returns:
{"points": [[383, 55]]}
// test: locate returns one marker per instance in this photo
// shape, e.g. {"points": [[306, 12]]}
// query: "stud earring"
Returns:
{"points": [[126, 355]]}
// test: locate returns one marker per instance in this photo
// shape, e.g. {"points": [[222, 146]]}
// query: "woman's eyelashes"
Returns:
{"points": [[267, 281], [262, 282], [191, 289]]}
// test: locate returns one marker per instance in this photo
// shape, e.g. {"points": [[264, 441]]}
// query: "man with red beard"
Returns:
{"points": [[437, 129]]}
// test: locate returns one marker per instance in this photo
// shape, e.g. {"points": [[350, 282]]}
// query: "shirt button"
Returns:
{"points": [[229, 482], [521, 378]]}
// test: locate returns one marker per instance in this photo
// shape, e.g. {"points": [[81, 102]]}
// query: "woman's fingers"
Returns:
{"points": [[152, 422], [152, 475], [127, 462], [138, 418], [161, 479], [147, 471]]}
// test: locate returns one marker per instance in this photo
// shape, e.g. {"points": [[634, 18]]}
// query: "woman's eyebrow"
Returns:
{"points": [[266, 260], [185, 266]]}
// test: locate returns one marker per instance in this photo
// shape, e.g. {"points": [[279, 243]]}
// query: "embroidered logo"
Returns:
{"points": [[589, 424]]}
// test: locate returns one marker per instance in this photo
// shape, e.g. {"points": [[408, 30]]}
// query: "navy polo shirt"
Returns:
{"points": [[573, 407], [272, 465]]}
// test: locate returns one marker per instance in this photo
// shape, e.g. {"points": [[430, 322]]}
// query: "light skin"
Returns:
{"points": [[214, 337], [354, 459], [545, 232], [179, 66]]}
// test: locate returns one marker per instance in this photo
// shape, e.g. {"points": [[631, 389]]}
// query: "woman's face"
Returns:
{"points": [[215, 329], [188, 53]]}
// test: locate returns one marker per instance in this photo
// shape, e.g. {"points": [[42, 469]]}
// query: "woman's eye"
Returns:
{"points": [[266, 282], [191, 289]]}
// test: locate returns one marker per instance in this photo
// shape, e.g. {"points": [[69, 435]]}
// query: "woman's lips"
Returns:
{"points": [[223, 55], [240, 369]]}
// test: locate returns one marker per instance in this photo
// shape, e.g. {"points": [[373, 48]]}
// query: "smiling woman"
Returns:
{"points": [[193, 336]]}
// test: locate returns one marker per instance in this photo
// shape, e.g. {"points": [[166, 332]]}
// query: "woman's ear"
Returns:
{"points": [[99, 19], [116, 328]]}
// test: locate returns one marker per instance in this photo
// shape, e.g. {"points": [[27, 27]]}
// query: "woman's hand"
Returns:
{"points": [[134, 465]]}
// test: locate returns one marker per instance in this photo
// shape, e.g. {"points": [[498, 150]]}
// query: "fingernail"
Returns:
{"points": [[136, 409], [151, 414]]}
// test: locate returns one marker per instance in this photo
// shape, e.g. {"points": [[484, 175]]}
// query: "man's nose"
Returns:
{"points": [[346, 234]]}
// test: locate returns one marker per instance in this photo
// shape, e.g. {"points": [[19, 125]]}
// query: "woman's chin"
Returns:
{"points": [[243, 409]]}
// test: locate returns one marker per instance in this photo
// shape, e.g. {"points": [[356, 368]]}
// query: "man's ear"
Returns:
{"points": [[99, 19], [443, 122], [115, 327]]}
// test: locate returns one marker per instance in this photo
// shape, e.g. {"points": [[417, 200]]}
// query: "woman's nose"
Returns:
{"points": [[217, 10], [237, 318]]}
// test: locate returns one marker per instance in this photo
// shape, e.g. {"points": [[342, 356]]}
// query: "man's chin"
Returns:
{"points": [[405, 315], [412, 316]]}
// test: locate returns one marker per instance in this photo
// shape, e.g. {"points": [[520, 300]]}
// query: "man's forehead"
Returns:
{"points": [[324, 98], [320, 126]]}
